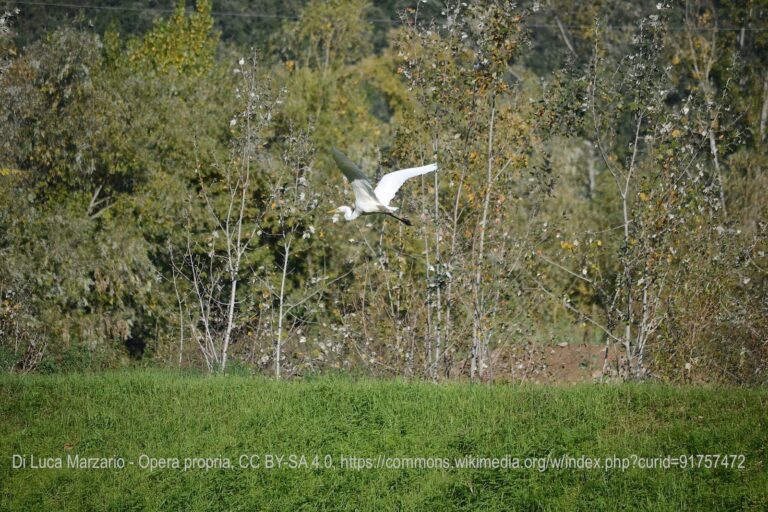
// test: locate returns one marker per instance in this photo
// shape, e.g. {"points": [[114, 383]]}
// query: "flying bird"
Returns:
{"points": [[369, 200]]}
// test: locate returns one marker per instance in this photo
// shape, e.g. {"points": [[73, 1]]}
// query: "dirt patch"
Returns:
{"points": [[566, 362]]}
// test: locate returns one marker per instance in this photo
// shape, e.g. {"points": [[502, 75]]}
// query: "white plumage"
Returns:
{"points": [[391, 183], [369, 200]]}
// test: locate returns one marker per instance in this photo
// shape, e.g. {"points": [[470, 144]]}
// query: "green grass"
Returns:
{"points": [[169, 415]]}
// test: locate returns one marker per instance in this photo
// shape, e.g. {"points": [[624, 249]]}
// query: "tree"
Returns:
{"points": [[471, 115], [664, 205], [214, 270]]}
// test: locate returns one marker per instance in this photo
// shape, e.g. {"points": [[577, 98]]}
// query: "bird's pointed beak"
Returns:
{"points": [[333, 211]]}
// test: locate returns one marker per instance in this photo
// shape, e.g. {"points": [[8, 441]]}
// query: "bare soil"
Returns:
{"points": [[562, 363]]}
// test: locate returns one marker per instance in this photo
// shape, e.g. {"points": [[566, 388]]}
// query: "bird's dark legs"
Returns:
{"points": [[401, 219]]}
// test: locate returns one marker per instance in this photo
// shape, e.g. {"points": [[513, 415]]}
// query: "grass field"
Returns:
{"points": [[145, 416]]}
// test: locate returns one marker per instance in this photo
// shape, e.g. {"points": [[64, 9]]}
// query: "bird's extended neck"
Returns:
{"points": [[350, 214]]}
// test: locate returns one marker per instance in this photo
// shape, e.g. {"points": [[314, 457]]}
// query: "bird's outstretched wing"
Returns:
{"points": [[350, 170], [391, 183]]}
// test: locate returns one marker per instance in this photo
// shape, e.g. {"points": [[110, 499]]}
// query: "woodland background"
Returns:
{"points": [[165, 173]]}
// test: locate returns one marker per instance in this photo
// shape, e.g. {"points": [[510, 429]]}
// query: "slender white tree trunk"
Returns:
{"points": [[716, 161], [230, 324], [438, 327], [764, 112], [478, 340], [280, 315]]}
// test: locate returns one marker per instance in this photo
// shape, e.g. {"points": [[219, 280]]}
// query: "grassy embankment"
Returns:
{"points": [[165, 415]]}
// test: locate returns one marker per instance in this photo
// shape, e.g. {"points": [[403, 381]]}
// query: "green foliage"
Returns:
{"points": [[49, 82], [82, 282], [184, 43], [94, 165], [329, 33], [122, 147], [650, 167], [323, 61]]}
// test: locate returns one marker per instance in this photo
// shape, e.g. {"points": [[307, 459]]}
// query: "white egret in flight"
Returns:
{"points": [[369, 200]]}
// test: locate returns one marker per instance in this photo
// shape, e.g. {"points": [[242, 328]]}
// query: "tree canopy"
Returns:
{"points": [[164, 177]]}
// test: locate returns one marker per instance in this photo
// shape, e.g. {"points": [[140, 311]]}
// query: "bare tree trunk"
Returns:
{"points": [[592, 177], [454, 229], [181, 309], [703, 69], [230, 324], [743, 32], [715, 159], [563, 32], [764, 112], [279, 343], [627, 266], [428, 337], [627, 281], [438, 326], [235, 250], [478, 340], [208, 349]]}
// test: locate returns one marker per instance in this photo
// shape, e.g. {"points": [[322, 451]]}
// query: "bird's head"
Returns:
{"points": [[343, 210]]}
